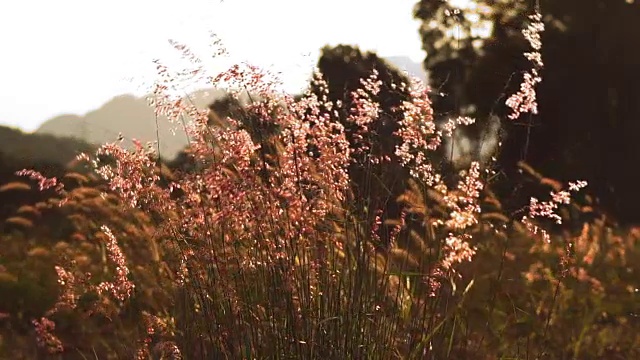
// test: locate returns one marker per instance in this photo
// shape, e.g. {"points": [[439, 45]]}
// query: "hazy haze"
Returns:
{"points": [[71, 56]]}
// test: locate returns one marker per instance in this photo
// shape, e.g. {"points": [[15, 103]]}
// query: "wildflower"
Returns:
{"points": [[524, 101], [44, 328], [457, 250], [547, 209], [451, 124], [419, 135], [68, 297], [122, 287], [365, 110], [44, 183]]}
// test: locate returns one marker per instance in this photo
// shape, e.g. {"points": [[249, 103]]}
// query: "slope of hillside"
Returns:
{"points": [[28, 148], [127, 115]]}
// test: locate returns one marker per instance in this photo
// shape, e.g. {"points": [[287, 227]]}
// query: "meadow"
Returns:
{"points": [[305, 227]]}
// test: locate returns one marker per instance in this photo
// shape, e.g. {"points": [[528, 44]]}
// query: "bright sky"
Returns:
{"points": [[71, 56]]}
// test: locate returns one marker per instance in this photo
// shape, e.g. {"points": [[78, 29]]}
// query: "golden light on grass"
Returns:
{"points": [[82, 260], [88, 191], [28, 209], [38, 252], [78, 237], [19, 221], [79, 178], [5, 277], [15, 186], [61, 246]]}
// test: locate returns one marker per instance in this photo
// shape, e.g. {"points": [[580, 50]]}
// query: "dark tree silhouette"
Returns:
{"points": [[588, 99]]}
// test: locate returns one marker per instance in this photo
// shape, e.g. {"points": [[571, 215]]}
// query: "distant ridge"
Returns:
{"points": [[29, 149], [127, 115]]}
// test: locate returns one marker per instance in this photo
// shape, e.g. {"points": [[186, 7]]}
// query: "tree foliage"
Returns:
{"points": [[588, 109]]}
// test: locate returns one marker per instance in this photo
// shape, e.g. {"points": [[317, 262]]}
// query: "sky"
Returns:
{"points": [[71, 56]]}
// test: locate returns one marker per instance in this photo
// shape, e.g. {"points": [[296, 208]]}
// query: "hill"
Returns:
{"points": [[25, 148], [127, 115]]}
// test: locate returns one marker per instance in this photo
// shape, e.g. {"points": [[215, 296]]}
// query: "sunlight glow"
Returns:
{"points": [[72, 56], [462, 4]]}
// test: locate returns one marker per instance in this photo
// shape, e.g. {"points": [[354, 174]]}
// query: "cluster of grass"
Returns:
{"points": [[366, 299]]}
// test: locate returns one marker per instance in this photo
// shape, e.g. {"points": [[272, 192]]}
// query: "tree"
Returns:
{"points": [[588, 107]]}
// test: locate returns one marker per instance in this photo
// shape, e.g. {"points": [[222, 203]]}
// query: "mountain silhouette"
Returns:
{"points": [[130, 116], [29, 149], [404, 63]]}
